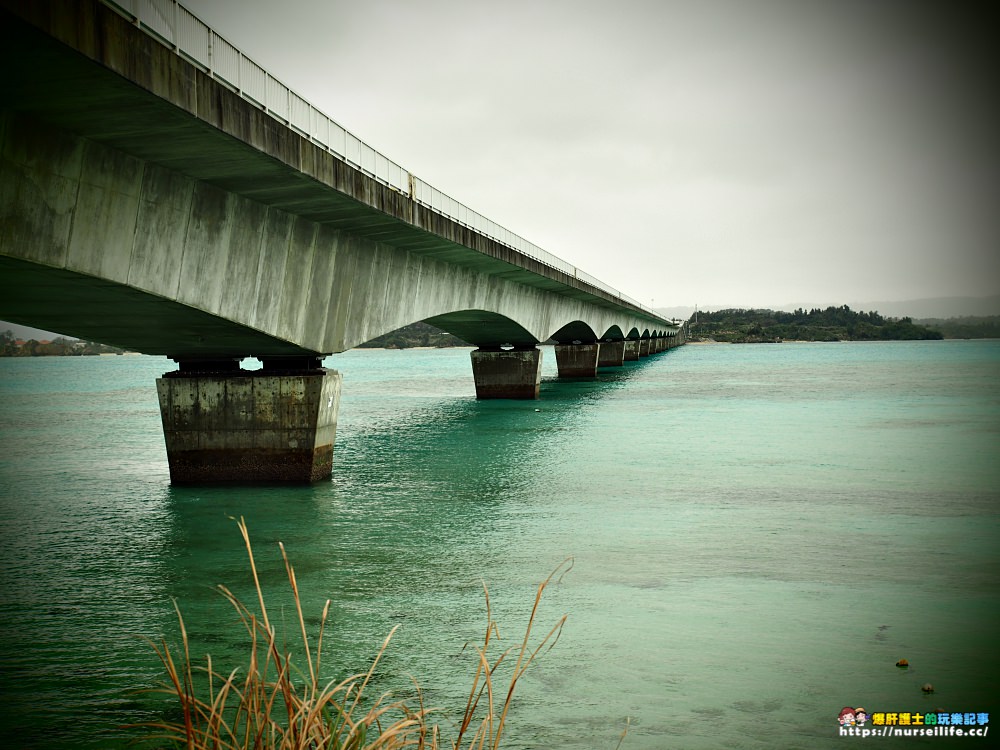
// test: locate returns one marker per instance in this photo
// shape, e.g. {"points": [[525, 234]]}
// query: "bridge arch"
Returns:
{"points": [[483, 328], [613, 333], [575, 332]]}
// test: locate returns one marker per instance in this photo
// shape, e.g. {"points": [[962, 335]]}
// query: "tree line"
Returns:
{"points": [[10, 346], [740, 326]]}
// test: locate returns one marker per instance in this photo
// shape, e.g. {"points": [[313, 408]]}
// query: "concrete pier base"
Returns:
{"points": [[612, 354], [249, 426], [632, 350], [502, 373], [644, 347], [577, 360]]}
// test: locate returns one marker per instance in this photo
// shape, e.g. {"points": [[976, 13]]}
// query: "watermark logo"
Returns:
{"points": [[854, 723]]}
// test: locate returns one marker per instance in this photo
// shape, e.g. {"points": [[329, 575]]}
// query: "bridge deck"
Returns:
{"points": [[100, 77]]}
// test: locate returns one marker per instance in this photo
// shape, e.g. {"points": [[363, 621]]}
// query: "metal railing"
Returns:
{"points": [[179, 29]]}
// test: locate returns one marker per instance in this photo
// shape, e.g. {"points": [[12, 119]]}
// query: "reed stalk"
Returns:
{"points": [[270, 705]]}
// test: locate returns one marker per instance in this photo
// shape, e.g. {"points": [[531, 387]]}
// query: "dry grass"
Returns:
{"points": [[270, 704]]}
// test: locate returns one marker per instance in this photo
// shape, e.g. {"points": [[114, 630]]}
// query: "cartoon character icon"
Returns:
{"points": [[860, 716], [846, 717]]}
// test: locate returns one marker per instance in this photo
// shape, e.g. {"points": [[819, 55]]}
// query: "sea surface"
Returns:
{"points": [[758, 533]]}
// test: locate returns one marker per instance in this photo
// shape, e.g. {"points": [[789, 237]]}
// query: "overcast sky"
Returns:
{"points": [[738, 152]]}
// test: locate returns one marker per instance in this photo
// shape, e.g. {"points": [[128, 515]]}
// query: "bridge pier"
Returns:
{"points": [[577, 360], [224, 425], [632, 350], [612, 354], [507, 373]]}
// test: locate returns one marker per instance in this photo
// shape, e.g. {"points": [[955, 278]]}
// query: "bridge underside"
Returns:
{"points": [[93, 309]]}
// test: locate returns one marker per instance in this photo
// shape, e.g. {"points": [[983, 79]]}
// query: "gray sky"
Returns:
{"points": [[739, 152]]}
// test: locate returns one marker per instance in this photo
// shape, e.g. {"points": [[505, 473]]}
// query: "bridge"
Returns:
{"points": [[163, 193]]}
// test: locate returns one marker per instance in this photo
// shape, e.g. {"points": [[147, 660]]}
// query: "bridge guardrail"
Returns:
{"points": [[188, 36]]}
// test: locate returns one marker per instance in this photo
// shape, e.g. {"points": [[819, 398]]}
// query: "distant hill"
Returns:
{"points": [[971, 327], [938, 307]]}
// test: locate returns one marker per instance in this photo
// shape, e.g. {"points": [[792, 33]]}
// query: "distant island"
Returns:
{"points": [[414, 335], [831, 324]]}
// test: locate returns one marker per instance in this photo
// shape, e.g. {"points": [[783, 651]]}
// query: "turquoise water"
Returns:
{"points": [[758, 534]]}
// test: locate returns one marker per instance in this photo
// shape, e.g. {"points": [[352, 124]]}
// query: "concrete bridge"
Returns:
{"points": [[161, 192]]}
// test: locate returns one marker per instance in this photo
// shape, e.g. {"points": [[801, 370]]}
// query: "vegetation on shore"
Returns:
{"points": [[279, 701], [831, 324], [59, 347]]}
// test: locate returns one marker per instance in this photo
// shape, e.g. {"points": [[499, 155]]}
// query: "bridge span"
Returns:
{"points": [[161, 192]]}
